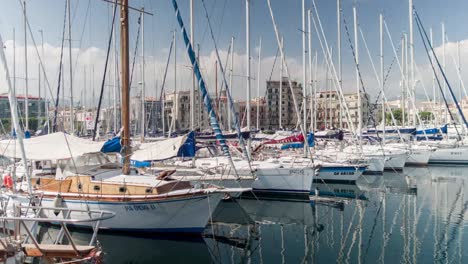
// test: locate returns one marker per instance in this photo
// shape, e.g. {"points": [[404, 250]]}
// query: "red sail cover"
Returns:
{"points": [[295, 138]]}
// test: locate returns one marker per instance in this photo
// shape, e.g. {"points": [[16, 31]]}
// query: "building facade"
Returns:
{"points": [[277, 99]]}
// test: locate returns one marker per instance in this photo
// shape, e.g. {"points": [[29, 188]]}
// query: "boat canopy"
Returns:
{"points": [[53, 146], [182, 146]]}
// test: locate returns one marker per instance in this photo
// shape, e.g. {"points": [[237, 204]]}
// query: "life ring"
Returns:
{"points": [[8, 181]]}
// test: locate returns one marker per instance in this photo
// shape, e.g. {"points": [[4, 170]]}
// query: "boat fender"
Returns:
{"points": [[57, 203], [8, 181]]}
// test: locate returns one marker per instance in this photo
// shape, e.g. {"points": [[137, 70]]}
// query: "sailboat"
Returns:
{"points": [[141, 203]]}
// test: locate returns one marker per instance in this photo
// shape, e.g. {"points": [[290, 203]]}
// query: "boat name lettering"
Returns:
{"points": [[455, 153], [140, 207], [296, 172], [343, 173]]}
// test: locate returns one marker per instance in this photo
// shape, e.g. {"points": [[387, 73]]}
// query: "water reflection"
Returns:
{"points": [[417, 215]]}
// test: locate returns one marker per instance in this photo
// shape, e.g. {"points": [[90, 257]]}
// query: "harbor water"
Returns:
{"points": [[414, 216]]}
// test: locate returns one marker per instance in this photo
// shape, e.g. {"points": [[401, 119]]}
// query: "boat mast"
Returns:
{"points": [[433, 83], [304, 76], [258, 82], [14, 69], [443, 67], [281, 87], [125, 83], [230, 81], [412, 83], [26, 96], [14, 110], [403, 81], [311, 104], [340, 76], [382, 73], [116, 73], [72, 119], [142, 75], [192, 91], [247, 42], [358, 88]]}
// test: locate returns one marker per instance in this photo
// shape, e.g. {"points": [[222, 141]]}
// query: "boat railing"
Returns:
{"points": [[32, 247]]}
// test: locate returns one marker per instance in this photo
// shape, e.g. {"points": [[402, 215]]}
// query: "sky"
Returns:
{"points": [[91, 23]]}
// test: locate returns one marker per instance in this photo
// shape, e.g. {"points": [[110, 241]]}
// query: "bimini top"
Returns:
{"points": [[53, 146]]}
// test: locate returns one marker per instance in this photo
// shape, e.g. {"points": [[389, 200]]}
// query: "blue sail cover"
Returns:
{"points": [[432, 131], [201, 83], [310, 141], [188, 149], [112, 145]]}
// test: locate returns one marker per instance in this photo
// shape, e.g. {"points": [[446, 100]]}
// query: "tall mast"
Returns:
{"points": [[5, 78], [258, 82], [382, 72], [281, 88], [46, 106], [192, 91], [403, 81], [358, 88], [125, 83], [143, 122], [311, 96], [304, 76], [247, 42], [315, 90], [72, 117], [433, 74], [26, 96], [230, 82], [175, 113], [443, 67], [340, 76], [39, 96], [116, 73], [412, 81]]}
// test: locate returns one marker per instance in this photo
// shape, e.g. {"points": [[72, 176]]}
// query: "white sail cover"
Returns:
{"points": [[159, 150], [50, 147]]}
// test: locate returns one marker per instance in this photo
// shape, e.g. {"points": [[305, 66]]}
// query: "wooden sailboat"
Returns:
{"points": [[145, 203]]}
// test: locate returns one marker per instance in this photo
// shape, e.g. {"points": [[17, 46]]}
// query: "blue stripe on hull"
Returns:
{"points": [[337, 169], [280, 190], [125, 203], [193, 230], [459, 162]]}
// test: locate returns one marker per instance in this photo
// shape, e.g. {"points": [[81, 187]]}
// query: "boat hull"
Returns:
{"points": [[283, 180], [419, 157], [173, 215], [375, 165], [395, 162], [339, 174], [457, 156]]}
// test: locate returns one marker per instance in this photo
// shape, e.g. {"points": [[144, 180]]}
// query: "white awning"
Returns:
{"points": [[159, 150], [50, 147]]}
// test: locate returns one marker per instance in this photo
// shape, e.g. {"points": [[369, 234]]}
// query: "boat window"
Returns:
{"points": [[122, 189], [149, 190], [97, 187]]}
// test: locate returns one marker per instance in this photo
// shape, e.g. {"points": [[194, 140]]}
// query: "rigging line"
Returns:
{"points": [[384, 98], [388, 72], [362, 85], [165, 70], [81, 37], [60, 69], [422, 30], [327, 56], [228, 93], [109, 44], [37, 52], [434, 70], [286, 68], [274, 63], [135, 52]]}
